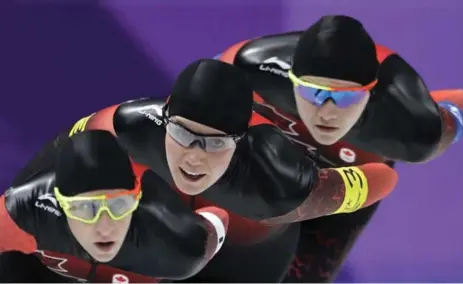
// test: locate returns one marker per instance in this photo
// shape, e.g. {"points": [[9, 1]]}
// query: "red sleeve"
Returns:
{"points": [[343, 190], [229, 54], [451, 96], [13, 238], [257, 119], [103, 119], [382, 52]]}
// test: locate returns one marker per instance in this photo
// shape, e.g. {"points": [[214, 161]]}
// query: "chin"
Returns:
{"points": [[188, 188], [327, 140], [104, 258]]}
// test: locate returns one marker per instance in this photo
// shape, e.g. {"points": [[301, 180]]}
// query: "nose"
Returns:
{"points": [[328, 111], [105, 226], [195, 156]]}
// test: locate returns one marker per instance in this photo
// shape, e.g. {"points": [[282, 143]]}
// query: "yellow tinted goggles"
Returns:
{"points": [[299, 82], [88, 209]]}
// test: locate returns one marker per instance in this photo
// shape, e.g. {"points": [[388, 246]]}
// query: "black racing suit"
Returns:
{"points": [[267, 177], [166, 239], [401, 122]]}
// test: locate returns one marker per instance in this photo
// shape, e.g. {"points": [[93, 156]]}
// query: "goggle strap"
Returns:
{"points": [[298, 81]]}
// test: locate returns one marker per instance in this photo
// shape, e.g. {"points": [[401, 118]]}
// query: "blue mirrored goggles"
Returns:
{"points": [[342, 99], [318, 95]]}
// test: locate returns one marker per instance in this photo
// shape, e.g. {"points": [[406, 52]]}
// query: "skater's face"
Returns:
{"points": [[329, 120], [197, 155], [103, 238]]}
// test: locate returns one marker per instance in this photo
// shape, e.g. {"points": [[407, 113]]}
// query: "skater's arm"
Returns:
{"points": [[293, 185], [12, 237], [17, 267], [343, 190]]}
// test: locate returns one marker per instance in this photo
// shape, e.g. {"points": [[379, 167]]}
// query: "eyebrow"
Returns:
{"points": [[182, 125], [186, 127], [195, 131]]}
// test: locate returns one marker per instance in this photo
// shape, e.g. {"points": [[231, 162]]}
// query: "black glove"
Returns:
{"points": [[16, 267], [401, 120], [268, 177], [185, 239], [289, 175]]}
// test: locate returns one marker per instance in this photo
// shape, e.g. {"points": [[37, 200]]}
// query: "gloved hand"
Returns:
{"points": [[268, 176], [452, 101], [286, 176], [164, 217], [401, 120]]}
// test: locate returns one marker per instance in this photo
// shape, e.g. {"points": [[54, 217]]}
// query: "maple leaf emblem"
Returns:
{"points": [[56, 264], [120, 279]]}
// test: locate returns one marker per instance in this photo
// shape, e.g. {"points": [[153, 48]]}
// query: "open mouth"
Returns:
{"points": [[105, 246], [191, 176], [324, 128]]}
